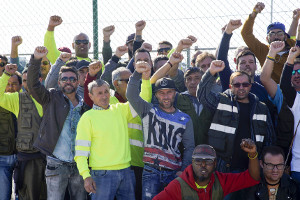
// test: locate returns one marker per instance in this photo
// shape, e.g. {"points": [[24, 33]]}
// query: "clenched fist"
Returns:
{"points": [[53, 22], [94, 68], [176, 58], [11, 68], [232, 25], [276, 47], [139, 27], [16, 41], [40, 52], [258, 7], [121, 50], [64, 56], [107, 32], [142, 66], [216, 66]]}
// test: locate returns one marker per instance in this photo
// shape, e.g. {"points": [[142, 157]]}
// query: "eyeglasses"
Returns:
{"points": [[2, 64], [126, 80], [163, 50], [238, 85], [279, 34], [200, 161], [78, 42], [294, 72], [45, 62], [271, 166], [72, 79]]}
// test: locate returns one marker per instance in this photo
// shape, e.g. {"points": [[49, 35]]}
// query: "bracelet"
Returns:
{"points": [[270, 58], [8, 74], [253, 157], [255, 10], [170, 64]]}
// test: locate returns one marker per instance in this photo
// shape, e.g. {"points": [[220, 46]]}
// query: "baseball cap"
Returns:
{"points": [[82, 64], [204, 151], [130, 38], [276, 25], [164, 83]]}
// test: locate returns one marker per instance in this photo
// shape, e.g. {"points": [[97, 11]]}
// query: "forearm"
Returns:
{"points": [[87, 98], [285, 84], [189, 144], [146, 90], [265, 76], [14, 51], [106, 51], [50, 44], [254, 170], [160, 73], [17, 62], [137, 44], [293, 28], [51, 80], [110, 66]]}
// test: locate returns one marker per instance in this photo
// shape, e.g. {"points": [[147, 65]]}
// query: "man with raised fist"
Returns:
{"points": [[238, 114], [62, 110], [275, 32], [166, 129]]}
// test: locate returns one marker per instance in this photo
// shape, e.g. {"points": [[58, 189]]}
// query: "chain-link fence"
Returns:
{"points": [[169, 20]]}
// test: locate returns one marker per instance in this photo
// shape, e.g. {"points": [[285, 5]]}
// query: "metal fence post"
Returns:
{"points": [[95, 28]]}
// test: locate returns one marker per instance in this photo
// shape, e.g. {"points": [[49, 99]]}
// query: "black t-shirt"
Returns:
{"points": [[240, 159]]}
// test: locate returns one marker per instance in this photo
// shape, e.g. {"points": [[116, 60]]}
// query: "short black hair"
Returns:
{"points": [[64, 69], [3, 57], [273, 150], [166, 43], [72, 63], [244, 53], [142, 50], [239, 73], [192, 70]]}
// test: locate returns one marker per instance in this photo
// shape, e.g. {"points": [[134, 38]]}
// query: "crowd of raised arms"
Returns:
{"points": [[75, 128]]}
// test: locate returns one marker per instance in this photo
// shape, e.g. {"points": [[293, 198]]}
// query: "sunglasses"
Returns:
{"points": [[3, 64], [72, 79], [78, 42], [126, 80], [294, 72], [208, 162], [238, 85], [163, 50], [45, 62], [279, 34]]}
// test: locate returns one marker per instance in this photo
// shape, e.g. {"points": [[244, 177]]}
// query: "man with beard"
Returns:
{"points": [[165, 128], [238, 114], [199, 181], [62, 110], [275, 32]]}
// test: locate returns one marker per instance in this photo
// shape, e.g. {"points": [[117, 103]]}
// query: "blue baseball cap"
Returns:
{"points": [[276, 25]]}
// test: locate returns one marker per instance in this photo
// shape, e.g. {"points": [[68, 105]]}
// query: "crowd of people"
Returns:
{"points": [[76, 128]]}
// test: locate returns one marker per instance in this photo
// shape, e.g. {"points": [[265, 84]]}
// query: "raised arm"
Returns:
{"points": [[14, 53], [267, 69], [293, 28], [223, 52], [37, 90], [49, 40], [51, 80], [138, 39], [106, 49]]}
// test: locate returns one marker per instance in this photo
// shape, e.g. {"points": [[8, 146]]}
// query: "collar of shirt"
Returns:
{"points": [[95, 107]]}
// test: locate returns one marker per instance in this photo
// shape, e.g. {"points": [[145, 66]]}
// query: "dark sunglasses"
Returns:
{"points": [[72, 79], [163, 50], [45, 62], [126, 80], [294, 72], [238, 85], [78, 42], [3, 64]]}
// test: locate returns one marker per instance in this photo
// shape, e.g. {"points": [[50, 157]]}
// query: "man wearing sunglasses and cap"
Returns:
{"points": [[275, 32], [200, 181]]}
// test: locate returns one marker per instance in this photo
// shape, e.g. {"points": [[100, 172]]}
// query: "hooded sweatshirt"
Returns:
{"points": [[230, 182]]}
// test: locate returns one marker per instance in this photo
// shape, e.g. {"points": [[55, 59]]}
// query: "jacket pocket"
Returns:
{"points": [[24, 141], [5, 146], [26, 121]]}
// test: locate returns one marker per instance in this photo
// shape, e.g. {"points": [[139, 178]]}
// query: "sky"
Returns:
{"points": [[169, 20]]}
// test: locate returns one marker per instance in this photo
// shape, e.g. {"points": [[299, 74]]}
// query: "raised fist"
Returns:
{"points": [[259, 7], [176, 58], [121, 50], [216, 66], [16, 40], [193, 38], [248, 146], [64, 56], [94, 68], [232, 25], [108, 31], [140, 25], [40, 52], [11, 68], [147, 46], [55, 21], [296, 14], [276, 46], [142, 66], [294, 52], [184, 44]]}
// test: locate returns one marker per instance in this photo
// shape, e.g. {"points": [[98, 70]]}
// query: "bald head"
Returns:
{"points": [[81, 45]]}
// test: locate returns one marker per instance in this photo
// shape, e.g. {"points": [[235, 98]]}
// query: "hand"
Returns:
{"points": [[89, 185], [64, 56], [147, 46], [40, 52], [216, 66], [184, 44], [258, 7], [139, 27], [107, 32], [11, 68], [146, 74], [223, 28], [296, 14], [121, 50], [16, 41], [94, 68], [294, 52], [55, 21], [193, 38], [249, 147], [276, 47], [232, 25], [176, 58], [142, 66]]}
